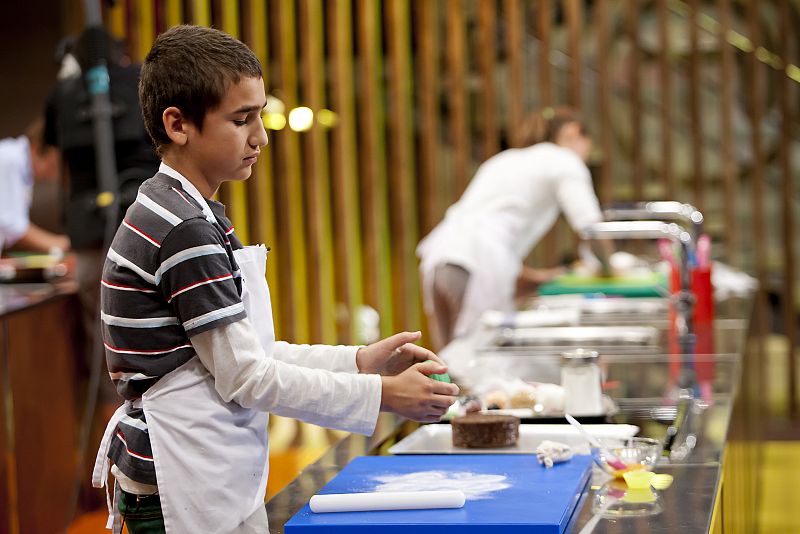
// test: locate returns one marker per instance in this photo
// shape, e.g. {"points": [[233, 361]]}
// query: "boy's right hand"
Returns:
{"points": [[416, 396]]}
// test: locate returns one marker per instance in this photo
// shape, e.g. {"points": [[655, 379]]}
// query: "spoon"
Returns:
{"points": [[613, 461]]}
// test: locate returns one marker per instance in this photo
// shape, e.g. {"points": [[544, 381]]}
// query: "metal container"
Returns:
{"points": [[590, 337]]}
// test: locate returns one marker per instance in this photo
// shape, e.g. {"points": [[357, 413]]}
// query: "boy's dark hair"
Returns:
{"points": [[190, 67]]}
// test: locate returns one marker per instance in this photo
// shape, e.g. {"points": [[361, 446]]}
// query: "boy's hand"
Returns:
{"points": [[393, 355], [414, 395]]}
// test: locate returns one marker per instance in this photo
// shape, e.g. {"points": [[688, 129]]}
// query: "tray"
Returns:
{"points": [[438, 439], [652, 285]]}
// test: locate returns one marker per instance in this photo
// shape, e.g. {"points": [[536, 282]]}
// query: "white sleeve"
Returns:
{"points": [[337, 358], [14, 201], [576, 195], [244, 373]]}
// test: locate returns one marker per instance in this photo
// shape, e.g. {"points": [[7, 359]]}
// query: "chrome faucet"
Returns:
{"points": [[658, 230], [663, 210]]}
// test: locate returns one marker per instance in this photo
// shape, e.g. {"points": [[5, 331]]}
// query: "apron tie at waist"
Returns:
{"points": [[102, 463]]}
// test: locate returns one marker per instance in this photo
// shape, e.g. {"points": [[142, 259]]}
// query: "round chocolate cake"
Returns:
{"points": [[481, 431]]}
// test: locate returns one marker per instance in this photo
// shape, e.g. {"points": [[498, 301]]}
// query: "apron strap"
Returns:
{"points": [[102, 463]]}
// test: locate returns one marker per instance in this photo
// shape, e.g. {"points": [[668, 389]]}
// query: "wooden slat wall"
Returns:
{"points": [[402, 192], [637, 167], [456, 94], [378, 269], [785, 92], [695, 115], [729, 171], [487, 101], [320, 238], [347, 222], [424, 90], [754, 89], [515, 26], [665, 82], [605, 189], [431, 200]]}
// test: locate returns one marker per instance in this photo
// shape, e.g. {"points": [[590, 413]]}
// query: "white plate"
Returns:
{"points": [[438, 439]]}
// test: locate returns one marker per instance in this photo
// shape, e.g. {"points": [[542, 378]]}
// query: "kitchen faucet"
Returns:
{"points": [[658, 230], [663, 210]]}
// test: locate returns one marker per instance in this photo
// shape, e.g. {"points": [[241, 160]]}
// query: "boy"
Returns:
{"points": [[186, 319]]}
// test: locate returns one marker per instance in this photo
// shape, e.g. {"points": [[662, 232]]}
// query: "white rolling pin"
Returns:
{"points": [[388, 500]]}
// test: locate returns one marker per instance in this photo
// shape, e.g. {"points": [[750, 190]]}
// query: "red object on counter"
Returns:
{"points": [[702, 322]]}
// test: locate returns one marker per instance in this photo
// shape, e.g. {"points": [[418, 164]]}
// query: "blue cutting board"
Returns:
{"points": [[536, 501]]}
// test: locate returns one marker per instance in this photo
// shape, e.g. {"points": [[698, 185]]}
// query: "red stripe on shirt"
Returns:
{"points": [[199, 283], [155, 351], [129, 288], [134, 454], [142, 233]]}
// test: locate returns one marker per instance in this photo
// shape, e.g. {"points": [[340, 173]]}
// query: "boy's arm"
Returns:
{"points": [[244, 373], [337, 358]]}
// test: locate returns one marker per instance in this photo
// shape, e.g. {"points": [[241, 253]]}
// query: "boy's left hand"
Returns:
{"points": [[393, 355]]}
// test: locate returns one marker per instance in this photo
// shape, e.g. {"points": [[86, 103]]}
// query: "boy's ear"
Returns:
{"points": [[175, 125]]}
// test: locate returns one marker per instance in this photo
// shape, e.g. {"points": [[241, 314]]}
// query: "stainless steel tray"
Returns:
{"points": [[438, 439], [572, 336]]}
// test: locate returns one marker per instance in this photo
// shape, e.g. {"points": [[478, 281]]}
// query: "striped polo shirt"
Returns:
{"points": [[169, 274]]}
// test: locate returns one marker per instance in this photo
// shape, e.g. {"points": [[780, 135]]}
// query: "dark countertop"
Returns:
{"points": [[687, 505], [19, 297]]}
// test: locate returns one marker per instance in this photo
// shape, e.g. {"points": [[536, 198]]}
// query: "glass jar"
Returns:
{"points": [[581, 380]]}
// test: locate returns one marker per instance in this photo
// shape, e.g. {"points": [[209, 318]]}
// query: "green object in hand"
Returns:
{"points": [[444, 377]]}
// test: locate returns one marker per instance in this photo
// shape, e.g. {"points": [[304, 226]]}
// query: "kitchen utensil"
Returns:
{"points": [[389, 500], [611, 460]]}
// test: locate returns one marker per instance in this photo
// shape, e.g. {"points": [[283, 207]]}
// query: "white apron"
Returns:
{"points": [[211, 457]]}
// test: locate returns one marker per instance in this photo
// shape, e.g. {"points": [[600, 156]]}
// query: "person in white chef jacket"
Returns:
{"points": [[472, 261], [187, 324]]}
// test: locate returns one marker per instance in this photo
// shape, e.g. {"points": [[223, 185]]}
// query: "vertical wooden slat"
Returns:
{"points": [[665, 82], [487, 48], [637, 169], [754, 91], [234, 194], [547, 250], [260, 187], [729, 170], [403, 194], [173, 13], [317, 172], [116, 19], [428, 98], [574, 12], [515, 24], [348, 249], [787, 123], [201, 12], [292, 223], [544, 19], [457, 95], [378, 268], [144, 24], [604, 103], [695, 95]]}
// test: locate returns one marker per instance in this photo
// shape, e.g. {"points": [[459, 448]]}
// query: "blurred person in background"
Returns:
{"points": [[23, 160], [69, 126], [472, 261]]}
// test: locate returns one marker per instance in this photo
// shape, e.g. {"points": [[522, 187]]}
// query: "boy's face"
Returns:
{"points": [[232, 135]]}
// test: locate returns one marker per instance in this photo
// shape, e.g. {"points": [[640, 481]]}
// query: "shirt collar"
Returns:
{"points": [[190, 188]]}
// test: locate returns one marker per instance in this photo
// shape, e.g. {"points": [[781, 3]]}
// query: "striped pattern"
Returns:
{"points": [[169, 274]]}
